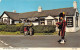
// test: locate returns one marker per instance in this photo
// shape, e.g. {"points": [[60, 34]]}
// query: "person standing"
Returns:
{"points": [[30, 28], [26, 25], [61, 25], [25, 31]]}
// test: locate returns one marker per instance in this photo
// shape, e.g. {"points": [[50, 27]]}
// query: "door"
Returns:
{"points": [[49, 22]]}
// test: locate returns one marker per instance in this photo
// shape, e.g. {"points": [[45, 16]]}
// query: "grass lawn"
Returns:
{"points": [[18, 33], [10, 33], [46, 33]]}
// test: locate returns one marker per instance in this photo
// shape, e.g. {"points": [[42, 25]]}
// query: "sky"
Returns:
{"points": [[22, 6]]}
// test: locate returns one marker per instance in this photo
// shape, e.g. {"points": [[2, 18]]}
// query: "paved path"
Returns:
{"points": [[73, 40]]}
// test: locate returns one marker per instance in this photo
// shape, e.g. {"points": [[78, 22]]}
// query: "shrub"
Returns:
{"points": [[11, 28], [37, 29], [44, 29], [20, 27], [2, 27]]}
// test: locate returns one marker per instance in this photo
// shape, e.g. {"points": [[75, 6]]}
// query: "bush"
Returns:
{"points": [[20, 27], [37, 29], [2, 27], [11, 28], [44, 29]]}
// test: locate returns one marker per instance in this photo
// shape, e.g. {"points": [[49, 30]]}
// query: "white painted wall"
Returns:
{"points": [[35, 23], [4, 15], [49, 17], [70, 29], [45, 22], [10, 21]]}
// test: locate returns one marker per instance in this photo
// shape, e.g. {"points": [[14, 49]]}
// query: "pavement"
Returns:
{"points": [[72, 40]]}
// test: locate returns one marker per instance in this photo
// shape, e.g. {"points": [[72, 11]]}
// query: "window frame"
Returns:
{"points": [[68, 22]]}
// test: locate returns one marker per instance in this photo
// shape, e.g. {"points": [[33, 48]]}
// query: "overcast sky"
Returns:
{"points": [[32, 5]]}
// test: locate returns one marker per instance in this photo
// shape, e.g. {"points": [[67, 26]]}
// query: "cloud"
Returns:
{"points": [[0, 0]]}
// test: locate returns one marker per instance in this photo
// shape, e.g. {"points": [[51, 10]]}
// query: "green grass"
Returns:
{"points": [[10, 33], [18, 33], [46, 33]]}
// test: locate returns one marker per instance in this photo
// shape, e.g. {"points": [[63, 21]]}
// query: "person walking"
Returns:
{"points": [[61, 25]]}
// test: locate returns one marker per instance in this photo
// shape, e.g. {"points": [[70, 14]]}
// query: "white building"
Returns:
{"points": [[46, 17]]}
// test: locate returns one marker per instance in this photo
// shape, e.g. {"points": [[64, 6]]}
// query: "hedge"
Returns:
{"points": [[11, 28], [37, 29], [44, 29], [2, 27]]}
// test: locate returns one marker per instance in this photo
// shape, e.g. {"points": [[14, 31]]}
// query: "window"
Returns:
{"points": [[42, 21], [69, 21]]}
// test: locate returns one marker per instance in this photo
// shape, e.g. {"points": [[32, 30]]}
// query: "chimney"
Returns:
{"points": [[75, 5], [14, 11], [39, 9]]}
